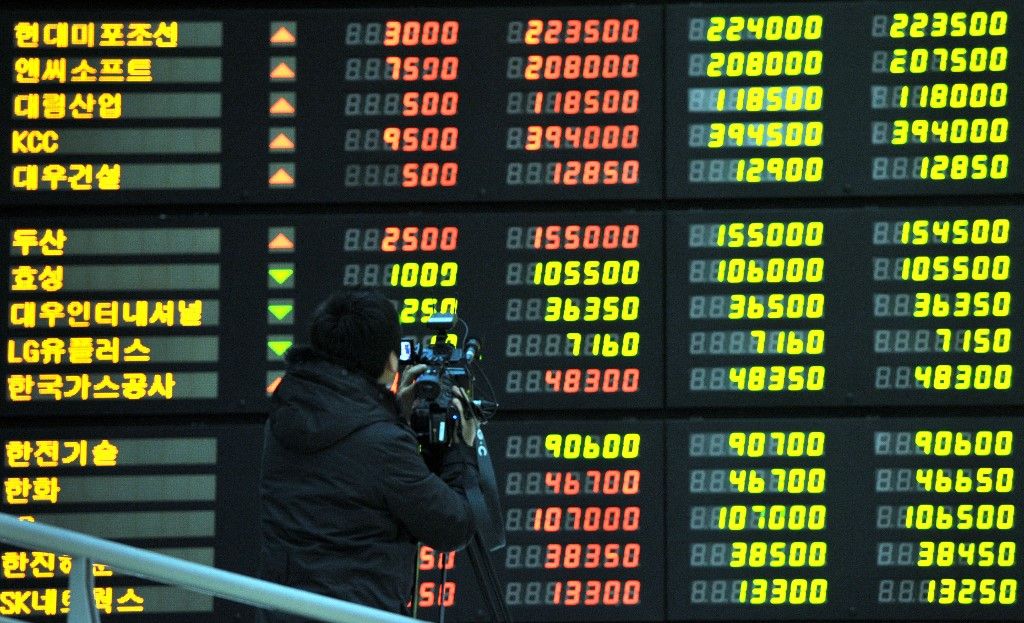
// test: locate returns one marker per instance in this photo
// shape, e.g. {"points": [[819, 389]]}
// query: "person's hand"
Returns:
{"points": [[469, 423], [405, 387]]}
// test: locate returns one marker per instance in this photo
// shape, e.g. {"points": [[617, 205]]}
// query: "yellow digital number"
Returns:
{"points": [[775, 306], [605, 344], [958, 232], [765, 28], [942, 24], [955, 95], [778, 554], [426, 308], [981, 340], [980, 443], [955, 268], [425, 275], [780, 591], [965, 377], [778, 378], [589, 273], [789, 342], [790, 170], [772, 235], [963, 166], [609, 446], [771, 270], [964, 305], [960, 517], [758, 63], [947, 591], [771, 99], [772, 134]]}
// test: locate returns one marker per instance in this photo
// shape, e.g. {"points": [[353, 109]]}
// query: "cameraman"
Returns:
{"points": [[346, 494]]}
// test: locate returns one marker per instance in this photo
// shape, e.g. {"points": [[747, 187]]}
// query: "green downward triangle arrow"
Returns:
{"points": [[281, 275], [279, 346], [280, 311]]}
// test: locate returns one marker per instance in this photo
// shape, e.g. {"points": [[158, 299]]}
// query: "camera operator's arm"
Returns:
{"points": [[433, 508]]}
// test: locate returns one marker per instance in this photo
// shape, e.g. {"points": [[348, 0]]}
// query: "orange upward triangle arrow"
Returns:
{"points": [[281, 141], [281, 241], [282, 72], [282, 35], [282, 107], [281, 178]]}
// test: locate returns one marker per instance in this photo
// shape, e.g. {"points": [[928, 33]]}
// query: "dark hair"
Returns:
{"points": [[357, 329]]}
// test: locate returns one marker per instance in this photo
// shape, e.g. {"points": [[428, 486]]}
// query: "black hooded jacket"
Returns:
{"points": [[345, 492]]}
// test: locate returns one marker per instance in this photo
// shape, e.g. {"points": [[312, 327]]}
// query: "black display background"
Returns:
{"points": [[240, 415], [237, 463]]}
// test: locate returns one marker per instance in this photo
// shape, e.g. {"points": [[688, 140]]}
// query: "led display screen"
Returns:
{"points": [[743, 275], [844, 307], [515, 103]]}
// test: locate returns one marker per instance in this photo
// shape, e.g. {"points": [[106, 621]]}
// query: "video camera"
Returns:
{"points": [[435, 418]]}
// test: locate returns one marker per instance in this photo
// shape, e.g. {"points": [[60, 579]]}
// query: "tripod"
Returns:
{"points": [[486, 580], [485, 505]]}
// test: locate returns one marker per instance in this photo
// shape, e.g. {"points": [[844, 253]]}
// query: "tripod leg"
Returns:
{"points": [[416, 584], [444, 583], [487, 580]]}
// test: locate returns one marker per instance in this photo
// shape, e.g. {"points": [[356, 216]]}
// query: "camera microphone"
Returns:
{"points": [[472, 345]]}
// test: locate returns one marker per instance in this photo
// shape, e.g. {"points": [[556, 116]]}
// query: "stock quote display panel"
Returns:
{"points": [[135, 315], [578, 294], [182, 491], [882, 518], [582, 311], [846, 307], [842, 98], [583, 514], [531, 103], [126, 315], [293, 105]]}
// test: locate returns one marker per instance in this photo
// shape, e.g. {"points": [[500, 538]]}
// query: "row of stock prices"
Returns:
{"points": [[746, 277], [462, 104]]}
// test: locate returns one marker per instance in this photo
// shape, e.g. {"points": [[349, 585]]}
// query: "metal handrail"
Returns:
{"points": [[236, 587]]}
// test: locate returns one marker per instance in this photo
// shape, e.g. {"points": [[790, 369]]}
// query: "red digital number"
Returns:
{"points": [[587, 519], [431, 559], [586, 102], [562, 483], [592, 556], [419, 239], [554, 31], [431, 594], [587, 138], [427, 139], [420, 33], [597, 592], [430, 104], [576, 66], [596, 172], [593, 380], [601, 482], [613, 481], [429, 174], [426, 68]]}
